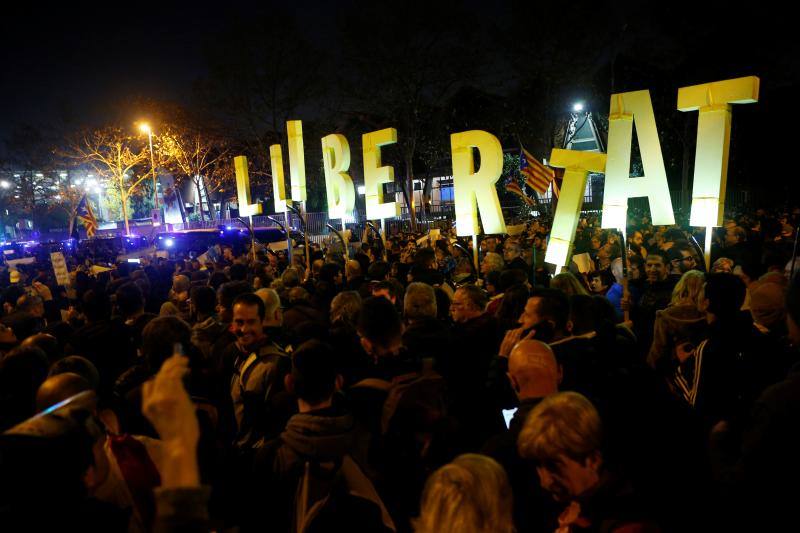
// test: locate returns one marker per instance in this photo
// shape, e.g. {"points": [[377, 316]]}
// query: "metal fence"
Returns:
{"points": [[429, 217], [437, 216]]}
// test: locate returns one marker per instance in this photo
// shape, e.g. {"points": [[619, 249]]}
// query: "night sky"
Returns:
{"points": [[70, 63], [68, 67]]}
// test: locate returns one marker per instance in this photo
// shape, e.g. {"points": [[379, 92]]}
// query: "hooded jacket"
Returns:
{"points": [[675, 324], [205, 334], [316, 444]]}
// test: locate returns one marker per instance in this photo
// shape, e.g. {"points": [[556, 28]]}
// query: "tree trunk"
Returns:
{"points": [[200, 199], [124, 202], [181, 207]]}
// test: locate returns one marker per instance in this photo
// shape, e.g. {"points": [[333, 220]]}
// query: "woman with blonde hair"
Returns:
{"points": [[681, 323], [469, 495], [688, 289]]}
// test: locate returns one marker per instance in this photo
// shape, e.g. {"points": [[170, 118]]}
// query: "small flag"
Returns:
{"points": [[85, 215], [514, 188], [537, 176]]}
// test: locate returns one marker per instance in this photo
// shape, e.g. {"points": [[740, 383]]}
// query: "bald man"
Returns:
{"points": [[354, 275], [534, 374], [272, 304], [58, 388]]}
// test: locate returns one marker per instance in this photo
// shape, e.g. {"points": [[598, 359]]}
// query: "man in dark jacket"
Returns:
{"points": [[425, 336], [260, 402], [534, 374], [310, 463], [100, 332], [655, 296], [767, 464], [512, 253], [399, 404], [721, 377], [476, 336]]}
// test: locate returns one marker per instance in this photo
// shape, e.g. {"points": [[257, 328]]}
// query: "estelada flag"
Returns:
{"points": [[85, 215], [514, 188], [537, 176]]}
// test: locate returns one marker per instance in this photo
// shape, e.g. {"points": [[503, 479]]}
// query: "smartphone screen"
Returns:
{"points": [[508, 414], [137, 261]]}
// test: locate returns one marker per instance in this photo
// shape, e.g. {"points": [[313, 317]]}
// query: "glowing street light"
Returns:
{"points": [[4, 184], [577, 107]]}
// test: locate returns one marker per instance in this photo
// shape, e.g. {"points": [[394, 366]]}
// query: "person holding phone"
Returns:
{"points": [[534, 374]]}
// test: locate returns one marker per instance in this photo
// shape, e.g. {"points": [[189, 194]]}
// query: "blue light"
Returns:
{"points": [[228, 227], [169, 243]]}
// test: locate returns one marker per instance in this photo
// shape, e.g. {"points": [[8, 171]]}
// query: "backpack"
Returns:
{"points": [[337, 496], [416, 399]]}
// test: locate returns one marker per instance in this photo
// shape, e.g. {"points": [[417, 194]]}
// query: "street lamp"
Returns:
{"points": [[144, 127], [577, 107]]}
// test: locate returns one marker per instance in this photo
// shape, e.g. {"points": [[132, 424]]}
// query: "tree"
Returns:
{"points": [[203, 159], [30, 169], [402, 73], [116, 156], [261, 72]]}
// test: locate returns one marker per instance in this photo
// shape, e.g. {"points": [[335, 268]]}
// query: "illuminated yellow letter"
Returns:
{"points": [[297, 160], [619, 186], [376, 175], [570, 201], [278, 185], [713, 100], [470, 186], [246, 209], [338, 185]]}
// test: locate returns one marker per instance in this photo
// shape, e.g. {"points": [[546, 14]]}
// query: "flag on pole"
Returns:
{"points": [[537, 176], [85, 215], [514, 188]]}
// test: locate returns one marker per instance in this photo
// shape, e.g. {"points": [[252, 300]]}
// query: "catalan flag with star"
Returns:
{"points": [[85, 215], [514, 188], [537, 176]]}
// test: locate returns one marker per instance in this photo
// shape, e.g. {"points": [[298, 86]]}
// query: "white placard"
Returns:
{"points": [[60, 268]]}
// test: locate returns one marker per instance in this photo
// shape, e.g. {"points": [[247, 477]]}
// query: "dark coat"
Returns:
{"points": [[759, 486], [533, 508], [321, 441]]}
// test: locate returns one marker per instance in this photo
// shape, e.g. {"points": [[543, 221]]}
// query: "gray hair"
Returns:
{"points": [[345, 307], [495, 260], [419, 301], [272, 302]]}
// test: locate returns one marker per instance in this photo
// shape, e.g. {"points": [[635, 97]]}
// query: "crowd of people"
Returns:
{"points": [[404, 389]]}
